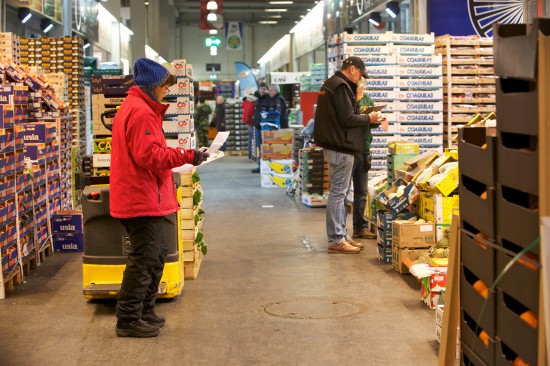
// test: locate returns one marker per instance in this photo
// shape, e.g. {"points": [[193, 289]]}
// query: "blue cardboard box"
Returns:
{"points": [[68, 242], [67, 222]]}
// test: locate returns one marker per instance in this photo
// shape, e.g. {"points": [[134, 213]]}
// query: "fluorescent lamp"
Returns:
{"points": [[393, 9], [211, 17], [213, 31], [24, 14], [267, 22], [281, 2], [46, 25], [276, 10], [375, 18], [212, 5], [86, 45], [275, 16]]}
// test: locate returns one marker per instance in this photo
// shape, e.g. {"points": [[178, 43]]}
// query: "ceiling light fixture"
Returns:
{"points": [[86, 45], [267, 22], [46, 25], [275, 10], [213, 31], [275, 16], [393, 9], [212, 5], [211, 17], [375, 18], [281, 2], [24, 14]]}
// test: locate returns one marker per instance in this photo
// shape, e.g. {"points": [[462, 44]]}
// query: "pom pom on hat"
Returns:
{"points": [[149, 74]]}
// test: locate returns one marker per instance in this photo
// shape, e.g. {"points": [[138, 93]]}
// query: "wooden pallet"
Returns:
{"points": [[191, 269], [236, 153], [13, 278]]}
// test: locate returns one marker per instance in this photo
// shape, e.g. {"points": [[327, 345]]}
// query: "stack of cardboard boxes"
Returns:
{"points": [[276, 165], [189, 221], [10, 46], [68, 231], [108, 93], [238, 132], [314, 178], [409, 238], [178, 124]]}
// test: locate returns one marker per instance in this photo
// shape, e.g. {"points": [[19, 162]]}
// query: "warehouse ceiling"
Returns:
{"points": [[251, 11]]}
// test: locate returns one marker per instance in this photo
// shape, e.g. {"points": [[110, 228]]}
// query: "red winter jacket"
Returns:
{"points": [[141, 163], [248, 111]]}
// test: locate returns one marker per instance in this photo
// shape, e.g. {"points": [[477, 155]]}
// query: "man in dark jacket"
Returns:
{"points": [[219, 117], [262, 104], [339, 130], [278, 104], [143, 193]]}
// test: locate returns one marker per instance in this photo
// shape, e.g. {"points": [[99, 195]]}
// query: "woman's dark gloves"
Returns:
{"points": [[200, 157]]}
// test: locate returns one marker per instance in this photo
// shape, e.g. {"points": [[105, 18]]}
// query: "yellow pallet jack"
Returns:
{"points": [[106, 245]]}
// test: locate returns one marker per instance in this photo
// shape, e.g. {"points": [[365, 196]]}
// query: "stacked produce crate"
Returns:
{"points": [[398, 154], [178, 125], [237, 141], [409, 238], [500, 201], [32, 126], [313, 177], [10, 46], [315, 79], [469, 82], [276, 165], [406, 77], [190, 221], [108, 93]]}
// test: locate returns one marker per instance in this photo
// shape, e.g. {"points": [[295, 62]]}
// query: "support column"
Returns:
{"points": [[67, 18], [137, 25]]}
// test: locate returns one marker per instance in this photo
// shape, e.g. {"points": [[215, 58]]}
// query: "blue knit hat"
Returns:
{"points": [[149, 74]]}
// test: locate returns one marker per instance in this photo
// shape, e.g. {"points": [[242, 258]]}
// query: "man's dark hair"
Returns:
{"points": [[201, 100]]}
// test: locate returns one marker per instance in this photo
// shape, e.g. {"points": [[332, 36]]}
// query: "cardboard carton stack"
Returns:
{"points": [[190, 220], [315, 79], [178, 125], [500, 209], [68, 231], [238, 132], [32, 125], [276, 165], [313, 176], [396, 201], [399, 153], [409, 238], [404, 75], [10, 46], [469, 82], [108, 93]]}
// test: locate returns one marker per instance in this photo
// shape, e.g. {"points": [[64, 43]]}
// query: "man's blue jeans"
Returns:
{"points": [[340, 166]]}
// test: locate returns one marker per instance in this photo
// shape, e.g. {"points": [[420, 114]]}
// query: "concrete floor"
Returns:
{"points": [[267, 294]]}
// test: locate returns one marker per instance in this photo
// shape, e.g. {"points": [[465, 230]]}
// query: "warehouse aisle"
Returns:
{"points": [[267, 294]]}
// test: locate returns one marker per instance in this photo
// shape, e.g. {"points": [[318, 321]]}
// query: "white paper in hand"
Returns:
{"points": [[213, 150]]}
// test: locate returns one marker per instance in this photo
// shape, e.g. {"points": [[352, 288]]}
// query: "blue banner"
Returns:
{"points": [[470, 17], [247, 80]]}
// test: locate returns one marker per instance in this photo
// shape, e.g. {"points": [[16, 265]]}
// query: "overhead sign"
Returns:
{"points": [[212, 41], [286, 77]]}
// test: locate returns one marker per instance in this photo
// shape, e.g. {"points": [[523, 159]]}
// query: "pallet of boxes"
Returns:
{"points": [[276, 162], [313, 177], [108, 93], [179, 124], [190, 220]]}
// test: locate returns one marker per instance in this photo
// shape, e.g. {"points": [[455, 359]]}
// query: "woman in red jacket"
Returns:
{"points": [[142, 192]]}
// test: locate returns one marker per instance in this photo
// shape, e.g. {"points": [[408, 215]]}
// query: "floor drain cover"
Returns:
{"points": [[314, 308]]}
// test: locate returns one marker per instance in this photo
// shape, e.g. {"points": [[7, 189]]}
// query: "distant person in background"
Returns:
{"points": [[202, 113], [360, 171], [219, 116], [262, 104], [248, 117], [278, 104]]}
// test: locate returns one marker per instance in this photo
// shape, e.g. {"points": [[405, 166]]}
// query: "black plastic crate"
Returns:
{"points": [[518, 162], [522, 279], [469, 334], [476, 154], [473, 302], [469, 357], [476, 255], [512, 330], [477, 204], [517, 106], [517, 216], [515, 48], [504, 355]]}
